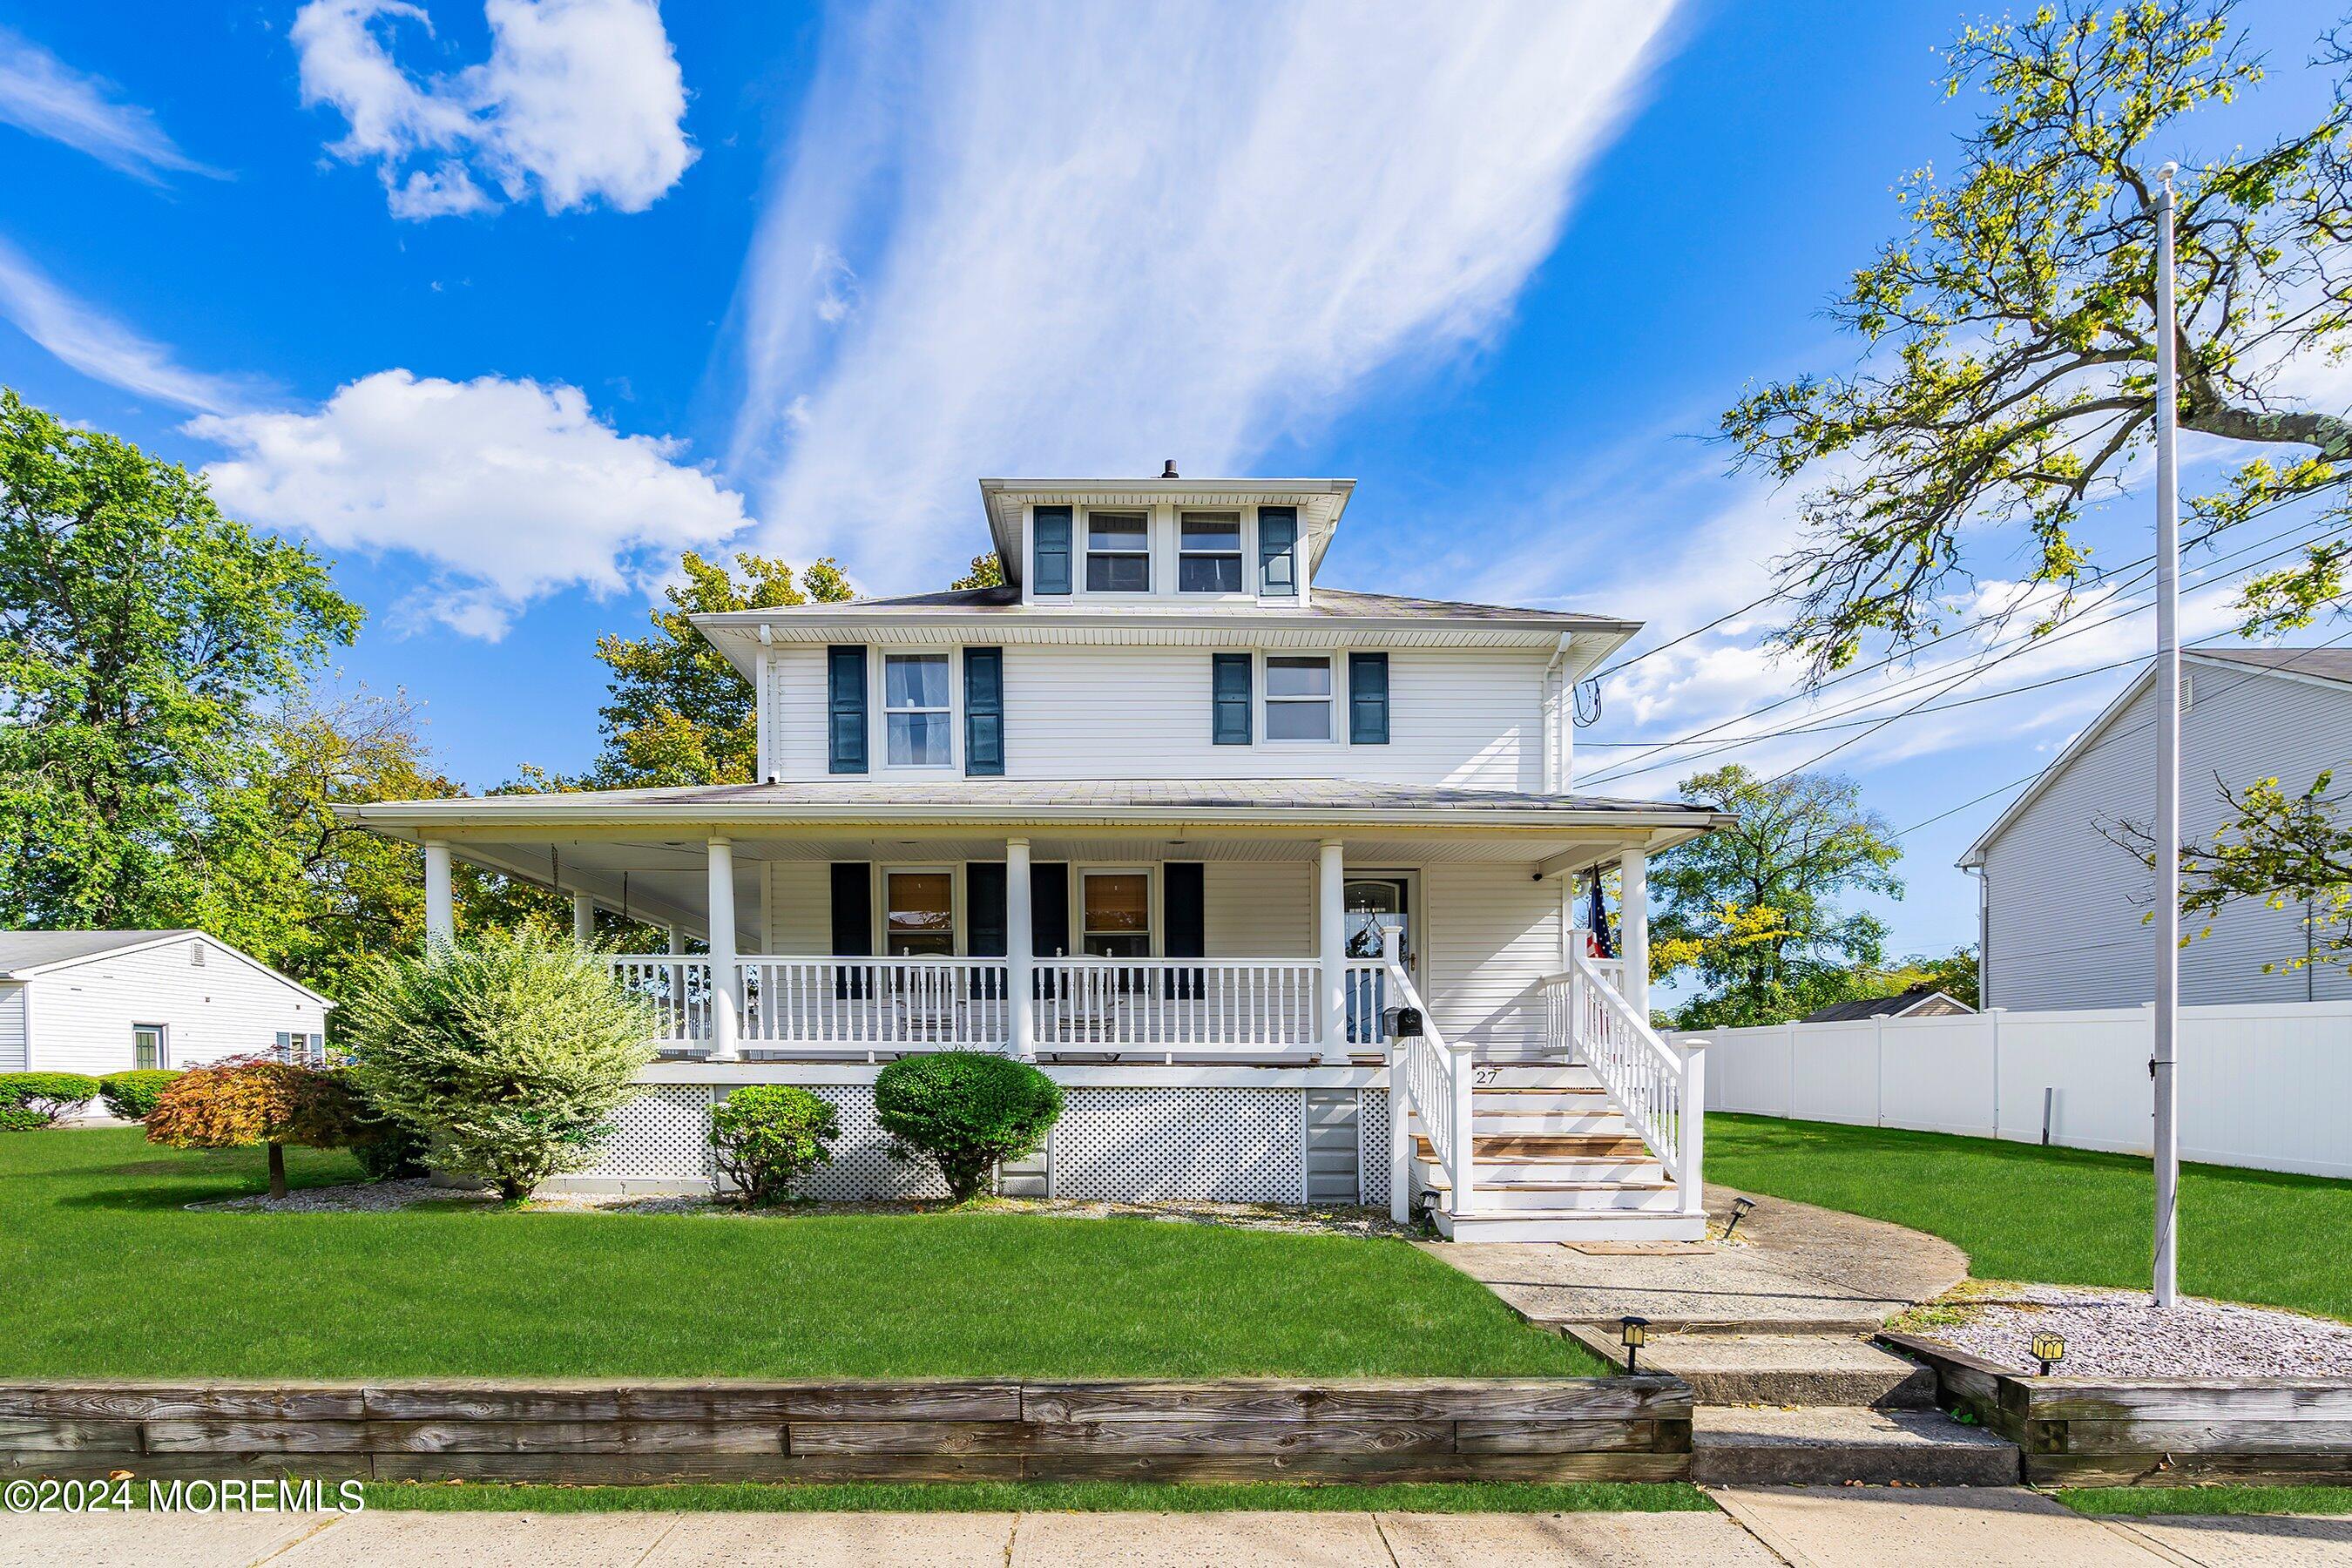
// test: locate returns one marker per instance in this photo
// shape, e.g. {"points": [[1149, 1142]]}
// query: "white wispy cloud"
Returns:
{"points": [[511, 490], [581, 101], [1072, 238], [101, 347], [42, 94]]}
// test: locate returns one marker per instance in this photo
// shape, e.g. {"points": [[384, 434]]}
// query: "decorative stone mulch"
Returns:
{"points": [[2120, 1333], [380, 1197]]}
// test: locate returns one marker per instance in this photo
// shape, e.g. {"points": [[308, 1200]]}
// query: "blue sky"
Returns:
{"points": [[503, 306]]}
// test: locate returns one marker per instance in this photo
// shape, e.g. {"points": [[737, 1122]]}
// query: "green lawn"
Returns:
{"points": [[2145, 1500], [2066, 1216], [109, 1276], [1052, 1497]]}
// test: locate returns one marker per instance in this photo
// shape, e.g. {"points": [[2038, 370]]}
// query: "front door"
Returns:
{"points": [[1373, 906]]}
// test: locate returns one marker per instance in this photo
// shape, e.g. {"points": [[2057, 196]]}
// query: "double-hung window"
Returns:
{"points": [[919, 916], [1297, 697], [1118, 553], [1117, 914], [914, 705], [1209, 552]]}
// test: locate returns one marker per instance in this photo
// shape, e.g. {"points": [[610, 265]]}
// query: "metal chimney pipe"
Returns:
{"points": [[1168, 469]]}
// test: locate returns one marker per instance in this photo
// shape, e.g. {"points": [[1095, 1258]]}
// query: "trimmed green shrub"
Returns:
{"points": [[245, 1100], [41, 1098], [766, 1136], [967, 1111], [133, 1093], [508, 1056], [388, 1149]]}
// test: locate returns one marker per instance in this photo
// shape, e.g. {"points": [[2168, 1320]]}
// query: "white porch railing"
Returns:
{"points": [[1256, 1004], [1660, 1088], [934, 1002], [679, 989], [1433, 1079]]}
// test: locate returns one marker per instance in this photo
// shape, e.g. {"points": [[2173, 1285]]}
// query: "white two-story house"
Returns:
{"points": [[1186, 826]]}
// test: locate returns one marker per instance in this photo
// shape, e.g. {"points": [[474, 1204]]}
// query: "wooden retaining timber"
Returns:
{"points": [[1614, 1428], [2083, 1431]]}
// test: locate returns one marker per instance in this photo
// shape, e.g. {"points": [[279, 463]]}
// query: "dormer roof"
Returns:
{"points": [[1319, 504]]}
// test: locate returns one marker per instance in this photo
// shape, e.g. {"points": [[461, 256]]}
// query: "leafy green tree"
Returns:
{"points": [[144, 638], [679, 712], [1753, 907], [2009, 385], [2280, 850], [987, 572]]}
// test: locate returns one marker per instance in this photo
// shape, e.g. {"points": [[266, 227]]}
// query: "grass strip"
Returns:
{"points": [[1045, 1497], [2133, 1501]]}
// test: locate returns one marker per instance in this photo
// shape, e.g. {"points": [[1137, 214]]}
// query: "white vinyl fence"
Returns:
{"points": [[2262, 1086]]}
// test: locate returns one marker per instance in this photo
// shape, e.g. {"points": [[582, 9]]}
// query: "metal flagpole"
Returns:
{"points": [[2163, 1067]]}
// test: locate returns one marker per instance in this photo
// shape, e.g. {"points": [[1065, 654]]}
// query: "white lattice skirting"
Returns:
{"points": [[1144, 1143]]}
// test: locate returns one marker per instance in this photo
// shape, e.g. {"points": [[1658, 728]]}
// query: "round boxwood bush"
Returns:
{"points": [[131, 1095], [31, 1100], [968, 1111], [766, 1136]]}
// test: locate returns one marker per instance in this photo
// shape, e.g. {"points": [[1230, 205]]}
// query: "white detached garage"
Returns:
{"points": [[98, 1001]]}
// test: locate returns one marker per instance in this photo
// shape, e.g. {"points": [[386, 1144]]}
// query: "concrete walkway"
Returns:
{"points": [[1808, 1270], [1769, 1527]]}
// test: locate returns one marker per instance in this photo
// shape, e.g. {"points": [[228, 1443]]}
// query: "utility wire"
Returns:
{"points": [[2146, 564], [2022, 643]]}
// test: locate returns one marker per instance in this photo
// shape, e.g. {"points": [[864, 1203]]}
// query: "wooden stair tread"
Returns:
{"points": [[1545, 1146]]}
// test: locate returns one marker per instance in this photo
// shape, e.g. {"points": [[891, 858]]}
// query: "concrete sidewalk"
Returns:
{"points": [[1766, 1528]]}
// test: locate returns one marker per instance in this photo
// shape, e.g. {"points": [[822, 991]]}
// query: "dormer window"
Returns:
{"points": [[1118, 553], [1209, 552]]}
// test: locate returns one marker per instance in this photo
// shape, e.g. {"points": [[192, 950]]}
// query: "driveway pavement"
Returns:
{"points": [[1764, 1527]]}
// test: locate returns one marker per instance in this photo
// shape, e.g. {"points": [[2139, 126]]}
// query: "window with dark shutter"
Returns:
{"points": [[1183, 892], [1230, 697], [853, 926], [1278, 551], [1050, 532], [846, 704], [1368, 698], [983, 711]]}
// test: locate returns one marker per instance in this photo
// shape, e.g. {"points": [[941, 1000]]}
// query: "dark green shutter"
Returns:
{"points": [[1278, 551], [845, 705], [1230, 693], [1184, 895], [984, 907], [983, 711], [852, 925], [1050, 529], [1368, 698]]}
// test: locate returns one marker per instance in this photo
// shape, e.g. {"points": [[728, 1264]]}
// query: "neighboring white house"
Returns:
{"points": [[1149, 815], [2063, 908], [98, 1002]]}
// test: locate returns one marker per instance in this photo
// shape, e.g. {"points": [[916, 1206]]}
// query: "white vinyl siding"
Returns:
{"points": [[1259, 908], [12, 1028], [1492, 935], [2065, 907], [799, 907], [82, 1015], [1473, 718]]}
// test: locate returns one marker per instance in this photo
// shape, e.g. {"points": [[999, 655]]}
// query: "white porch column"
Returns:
{"points": [[1020, 967], [583, 920], [726, 980], [1633, 917], [440, 905], [1331, 945]]}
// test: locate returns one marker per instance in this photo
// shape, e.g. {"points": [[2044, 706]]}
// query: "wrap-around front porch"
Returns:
{"points": [[1199, 987]]}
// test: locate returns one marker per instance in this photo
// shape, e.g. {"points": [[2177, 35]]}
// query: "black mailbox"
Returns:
{"points": [[1403, 1023]]}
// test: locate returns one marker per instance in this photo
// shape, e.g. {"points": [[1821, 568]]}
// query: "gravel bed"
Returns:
{"points": [[383, 1197], [2120, 1333], [360, 1197]]}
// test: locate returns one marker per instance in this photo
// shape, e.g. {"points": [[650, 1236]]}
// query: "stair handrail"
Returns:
{"points": [[1660, 1087], [1432, 1080]]}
